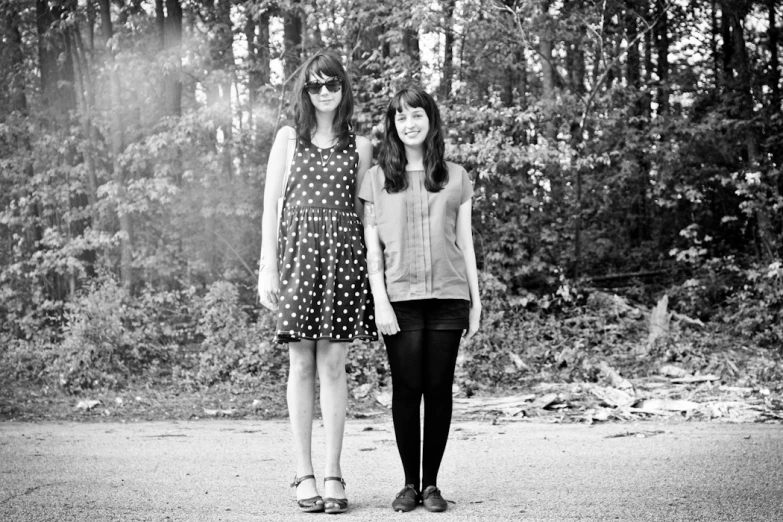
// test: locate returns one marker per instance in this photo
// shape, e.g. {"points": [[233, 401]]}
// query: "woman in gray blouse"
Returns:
{"points": [[424, 281]]}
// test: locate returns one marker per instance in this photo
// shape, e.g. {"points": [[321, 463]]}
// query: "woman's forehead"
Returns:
{"points": [[404, 107], [319, 77]]}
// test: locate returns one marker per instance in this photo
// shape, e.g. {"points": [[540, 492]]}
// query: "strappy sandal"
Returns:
{"points": [[341, 503], [308, 505]]}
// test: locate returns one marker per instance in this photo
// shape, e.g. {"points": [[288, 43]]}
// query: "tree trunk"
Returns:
{"points": [[646, 98], [410, 46], [84, 103], [774, 64], [742, 85], [160, 23], [56, 77], [662, 46], [117, 147], [17, 96], [633, 60], [292, 38], [257, 34], [172, 38], [547, 80], [448, 51], [714, 31], [727, 44], [516, 78]]}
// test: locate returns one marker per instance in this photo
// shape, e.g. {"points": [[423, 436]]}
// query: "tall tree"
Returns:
{"points": [[547, 71], [293, 29], [448, 47], [172, 45], [662, 55], [56, 74], [774, 63], [13, 59], [117, 126]]}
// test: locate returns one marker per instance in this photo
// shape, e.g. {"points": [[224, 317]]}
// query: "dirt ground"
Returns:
{"points": [[225, 469]]}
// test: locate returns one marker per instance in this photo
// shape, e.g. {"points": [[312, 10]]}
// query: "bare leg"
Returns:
{"points": [[330, 359], [301, 402]]}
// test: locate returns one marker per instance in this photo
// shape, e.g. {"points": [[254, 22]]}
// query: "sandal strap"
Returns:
{"points": [[338, 479], [342, 502], [301, 479]]}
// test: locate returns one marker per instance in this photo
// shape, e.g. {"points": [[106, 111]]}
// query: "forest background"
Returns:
{"points": [[623, 151]]}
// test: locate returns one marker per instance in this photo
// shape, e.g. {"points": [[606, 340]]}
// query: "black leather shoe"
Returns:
{"points": [[432, 500], [406, 499]]}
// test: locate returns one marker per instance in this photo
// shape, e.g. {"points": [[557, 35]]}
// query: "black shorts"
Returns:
{"points": [[432, 314]]}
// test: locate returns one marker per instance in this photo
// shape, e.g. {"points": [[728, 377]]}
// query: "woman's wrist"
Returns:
{"points": [[264, 264]]}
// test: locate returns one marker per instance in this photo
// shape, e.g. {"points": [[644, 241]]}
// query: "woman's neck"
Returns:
{"points": [[414, 158], [323, 135]]}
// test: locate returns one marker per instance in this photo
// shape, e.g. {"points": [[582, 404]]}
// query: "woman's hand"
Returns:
{"points": [[269, 287], [474, 320], [386, 319]]}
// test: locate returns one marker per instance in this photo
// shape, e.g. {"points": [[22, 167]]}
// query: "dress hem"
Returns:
{"points": [[293, 339]]}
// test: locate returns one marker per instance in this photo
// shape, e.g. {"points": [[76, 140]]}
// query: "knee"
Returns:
{"points": [[331, 370], [438, 392], [406, 393], [302, 367]]}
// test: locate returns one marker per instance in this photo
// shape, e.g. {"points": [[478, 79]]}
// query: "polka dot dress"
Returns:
{"points": [[324, 289]]}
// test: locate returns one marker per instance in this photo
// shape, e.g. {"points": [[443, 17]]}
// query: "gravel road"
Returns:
{"points": [[240, 470]]}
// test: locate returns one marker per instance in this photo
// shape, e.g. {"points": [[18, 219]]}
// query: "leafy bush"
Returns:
{"points": [[755, 307], [366, 363], [108, 336], [25, 360], [233, 349]]}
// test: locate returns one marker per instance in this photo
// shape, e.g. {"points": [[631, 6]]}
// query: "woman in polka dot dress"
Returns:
{"points": [[318, 286]]}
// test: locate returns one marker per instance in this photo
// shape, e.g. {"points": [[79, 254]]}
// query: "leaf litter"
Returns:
{"points": [[673, 367]]}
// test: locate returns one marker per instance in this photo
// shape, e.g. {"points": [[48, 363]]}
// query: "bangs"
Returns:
{"points": [[409, 98], [326, 66]]}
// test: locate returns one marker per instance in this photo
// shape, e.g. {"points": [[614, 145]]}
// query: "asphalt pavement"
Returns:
{"points": [[239, 470]]}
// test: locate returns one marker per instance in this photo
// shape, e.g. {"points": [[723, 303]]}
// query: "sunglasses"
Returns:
{"points": [[331, 85]]}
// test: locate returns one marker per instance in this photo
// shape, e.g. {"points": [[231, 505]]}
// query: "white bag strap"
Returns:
{"points": [[289, 158]]}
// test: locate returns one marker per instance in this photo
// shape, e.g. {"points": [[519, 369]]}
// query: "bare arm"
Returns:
{"points": [[385, 318], [364, 147], [268, 283], [465, 244]]}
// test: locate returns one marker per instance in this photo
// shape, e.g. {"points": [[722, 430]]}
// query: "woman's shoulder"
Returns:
{"points": [[363, 144], [286, 132], [457, 171], [454, 167], [361, 140], [375, 172]]}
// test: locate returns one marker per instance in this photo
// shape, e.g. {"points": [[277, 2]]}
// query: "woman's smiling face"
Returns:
{"points": [[413, 125]]}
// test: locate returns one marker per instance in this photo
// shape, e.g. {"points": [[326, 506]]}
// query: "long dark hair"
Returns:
{"points": [[392, 155], [326, 64]]}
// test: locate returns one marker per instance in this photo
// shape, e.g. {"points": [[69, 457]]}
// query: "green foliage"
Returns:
{"points": [[109, 337], [366, 363], [232, 349], [755, 308], [606, 166]]}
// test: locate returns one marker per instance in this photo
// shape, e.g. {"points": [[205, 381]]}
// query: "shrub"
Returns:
{"points": [[233, 349], [755, 307], [109, 336]]}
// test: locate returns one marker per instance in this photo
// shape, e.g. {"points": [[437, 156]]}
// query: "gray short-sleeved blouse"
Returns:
{"points": [[418, 233]]}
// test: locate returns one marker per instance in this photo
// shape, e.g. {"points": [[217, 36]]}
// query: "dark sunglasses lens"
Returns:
{"points": [[333, 85], [315, 87]]}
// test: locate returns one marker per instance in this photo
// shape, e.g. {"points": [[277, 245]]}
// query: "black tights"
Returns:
{"points": [[422, 364]]}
